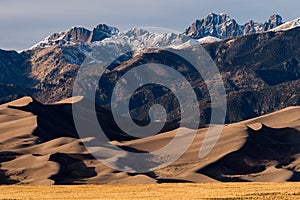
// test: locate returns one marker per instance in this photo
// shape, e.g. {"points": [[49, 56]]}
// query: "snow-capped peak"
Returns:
{"points": [[140, 38], [288, 25], [78, 35], [223, 26], [207, 30]]}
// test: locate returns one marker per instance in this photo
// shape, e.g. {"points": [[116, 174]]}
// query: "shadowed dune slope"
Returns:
{"points": [[39, 145]]}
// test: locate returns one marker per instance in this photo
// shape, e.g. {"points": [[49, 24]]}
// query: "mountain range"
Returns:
{"points": [[213, 26], [259, 62]]}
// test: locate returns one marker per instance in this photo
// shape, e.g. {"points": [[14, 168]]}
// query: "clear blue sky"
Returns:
{"points": [[25, 22]]}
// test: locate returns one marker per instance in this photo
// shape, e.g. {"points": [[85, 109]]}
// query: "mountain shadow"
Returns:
{"points": [[56, 120]]}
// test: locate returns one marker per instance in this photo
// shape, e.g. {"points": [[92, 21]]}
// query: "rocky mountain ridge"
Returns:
{"points": [[78, 35], [223, 26], [214, 26]]}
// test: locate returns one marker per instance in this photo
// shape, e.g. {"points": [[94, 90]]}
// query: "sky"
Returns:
{"points": [[25, 22]]}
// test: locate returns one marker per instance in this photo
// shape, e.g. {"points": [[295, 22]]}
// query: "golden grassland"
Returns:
{"points": [[162, 191]]}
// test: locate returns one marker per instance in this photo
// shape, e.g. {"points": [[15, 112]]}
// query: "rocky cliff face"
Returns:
{"points": [[78, 35], [220, 26], [103, 31], [223, 26]]}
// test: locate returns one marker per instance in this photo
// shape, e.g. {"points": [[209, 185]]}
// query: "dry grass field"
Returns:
{"points": [[162, 191]]}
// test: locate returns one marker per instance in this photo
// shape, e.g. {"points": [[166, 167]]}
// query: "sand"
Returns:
{"points": [[39, 146]]}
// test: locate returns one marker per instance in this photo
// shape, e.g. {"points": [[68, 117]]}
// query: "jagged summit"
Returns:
{"points": [[223, 26], [78, 35], [274, 21], [288, 25], [219, 26], [103, 31]]}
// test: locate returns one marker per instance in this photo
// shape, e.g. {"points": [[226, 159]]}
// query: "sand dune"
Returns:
{"points": [[39, 145]]}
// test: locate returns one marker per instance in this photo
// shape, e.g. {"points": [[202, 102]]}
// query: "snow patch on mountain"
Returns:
{"points": [[194, 42], [209, 39], [288, 25]]}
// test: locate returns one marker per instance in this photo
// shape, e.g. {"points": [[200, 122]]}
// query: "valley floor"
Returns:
{"points": [[162, 191]]}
